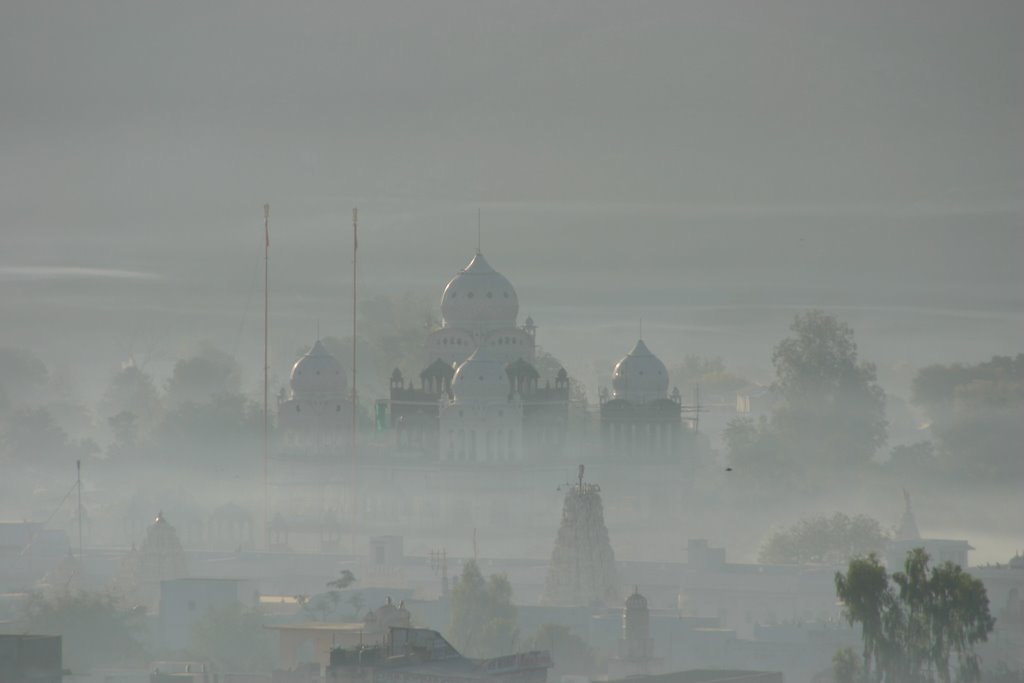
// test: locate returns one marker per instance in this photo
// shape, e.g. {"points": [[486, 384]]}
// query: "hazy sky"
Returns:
{"points": [[694, 152]]}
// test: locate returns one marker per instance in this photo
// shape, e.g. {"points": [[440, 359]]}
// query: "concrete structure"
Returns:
{"points": [[640, 420], [582, 568], [636, 646], [708, 676], [315, 416], [744, 595], [30, 659], [908, 538], [306, 644], [185, 602], [417, 655], [481, 399]]}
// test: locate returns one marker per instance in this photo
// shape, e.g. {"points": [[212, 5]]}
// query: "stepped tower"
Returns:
{"points": [[582, 569]]}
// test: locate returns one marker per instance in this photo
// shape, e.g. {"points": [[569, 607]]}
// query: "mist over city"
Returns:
{"points": [[424, 342]]}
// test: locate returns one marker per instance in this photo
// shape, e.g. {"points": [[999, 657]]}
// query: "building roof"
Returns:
{"points": [[479, 297], [640, 376], [318, 373], [349, 627], [481, 376]]}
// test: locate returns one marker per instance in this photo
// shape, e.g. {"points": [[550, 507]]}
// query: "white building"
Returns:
{"points": [[481, 399], [315, 416]]}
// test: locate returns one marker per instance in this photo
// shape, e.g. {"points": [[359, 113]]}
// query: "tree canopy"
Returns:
{"points": [[830, 411], [824, 540], [483, 618], [94, 628], [918, 622], [709, 373], [976, 413], [831, 403], [204, 375]]}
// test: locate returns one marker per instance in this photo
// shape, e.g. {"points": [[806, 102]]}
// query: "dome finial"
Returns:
{"points": [[479, 221]]}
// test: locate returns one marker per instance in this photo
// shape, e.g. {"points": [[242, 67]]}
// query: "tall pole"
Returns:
{"points": [[266, 372], [355, 395], [78, 465]]}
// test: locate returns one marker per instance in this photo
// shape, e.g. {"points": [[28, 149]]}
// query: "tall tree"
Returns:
{"points": [[916, 627], [864, 590], [831, 406], [483, 616]]}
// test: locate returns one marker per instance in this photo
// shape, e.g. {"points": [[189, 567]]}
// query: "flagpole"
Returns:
{"points": [[355, 396], [266, 371]]}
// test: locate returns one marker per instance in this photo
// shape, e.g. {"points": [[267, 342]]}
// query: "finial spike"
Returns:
{"points": [[479, 221]]}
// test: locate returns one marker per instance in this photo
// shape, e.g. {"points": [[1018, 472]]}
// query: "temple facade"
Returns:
{"points": [[315, 415], [639, 419], [481, 399]]}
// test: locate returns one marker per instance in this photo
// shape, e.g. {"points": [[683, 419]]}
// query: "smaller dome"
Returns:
{"points": [[481, 376], [640, 376], [318, 373], [636, 601]]}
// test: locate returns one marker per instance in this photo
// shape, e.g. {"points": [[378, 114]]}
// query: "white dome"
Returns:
{"points": [[640, 376], [479, 297], [481, 376], [318, 373]]}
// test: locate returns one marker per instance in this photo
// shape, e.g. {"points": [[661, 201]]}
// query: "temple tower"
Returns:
{"points": [[582, 569]]}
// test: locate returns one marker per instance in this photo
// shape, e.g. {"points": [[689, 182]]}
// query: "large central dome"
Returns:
{"points": [[479, 298]]}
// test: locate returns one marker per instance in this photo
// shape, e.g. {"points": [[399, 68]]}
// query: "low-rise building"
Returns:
{"points": [[419, 655]]}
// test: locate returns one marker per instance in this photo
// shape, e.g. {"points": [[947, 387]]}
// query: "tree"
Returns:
{"points": [[94, 628], [910, 634], [755, 446], [845, 666], [824, 540], [207, 374], [709, 373], [31, 435], [975, 413], [233, 639], [864, 590], [346, 579], [22, 375], [322, 606], [483, 617], [227, 426], [569, 652], [832, 406], [131, 390]]}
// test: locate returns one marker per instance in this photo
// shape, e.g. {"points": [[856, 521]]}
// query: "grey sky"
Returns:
{"points": [[652, 140]]}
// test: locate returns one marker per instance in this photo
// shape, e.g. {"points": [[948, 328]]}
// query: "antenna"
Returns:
{"points": [[479, 221], [641, 327]]}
